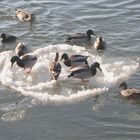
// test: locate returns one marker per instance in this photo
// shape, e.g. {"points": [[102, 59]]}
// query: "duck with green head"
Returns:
{"points": [[84, 72], [74, 60], [26, 61], [80, 38]]}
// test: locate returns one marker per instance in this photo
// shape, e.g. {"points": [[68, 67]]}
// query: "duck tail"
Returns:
{"points": [[68, 39], [56, 57], [71, 75]]}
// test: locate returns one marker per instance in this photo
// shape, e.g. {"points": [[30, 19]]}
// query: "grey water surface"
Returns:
{"points": [[110, 116]]}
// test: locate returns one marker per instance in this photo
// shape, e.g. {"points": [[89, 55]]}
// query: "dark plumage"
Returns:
{"points": [[74, 60], [26, 61], [54, 67], [80, 38], [5, 38], [129, 92], [84, 72]]}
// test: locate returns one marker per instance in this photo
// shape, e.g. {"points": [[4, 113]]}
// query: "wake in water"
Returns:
{"points": [[38, 85]]}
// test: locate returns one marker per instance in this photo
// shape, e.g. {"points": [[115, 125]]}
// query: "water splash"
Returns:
{"points": [[39, 86]]}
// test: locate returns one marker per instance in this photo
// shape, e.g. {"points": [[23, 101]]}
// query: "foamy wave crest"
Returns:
{"points": [[65, 90]]}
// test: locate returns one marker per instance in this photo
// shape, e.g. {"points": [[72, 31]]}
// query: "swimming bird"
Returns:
{"points": [[129, 92], [84, 72], [74, 60], [26, 61], [6, 38], [80, 38], [24, 15], [21, 49], [54, 67], [99, 44]]}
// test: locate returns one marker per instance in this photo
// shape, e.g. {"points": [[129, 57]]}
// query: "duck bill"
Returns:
{"points": [[95, 34], [100, 69], [12, 65]]}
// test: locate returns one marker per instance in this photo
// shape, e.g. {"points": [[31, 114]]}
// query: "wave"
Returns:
{"points": [[38, 84], [37, 88]]}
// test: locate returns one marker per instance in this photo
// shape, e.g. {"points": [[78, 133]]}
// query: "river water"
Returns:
{"points": [[33, 107]]}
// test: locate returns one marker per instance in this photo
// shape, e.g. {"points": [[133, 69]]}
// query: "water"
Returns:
{"points": [[33, 107]]}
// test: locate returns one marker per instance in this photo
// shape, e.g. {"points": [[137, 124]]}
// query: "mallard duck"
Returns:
{"points": [[21, 49], [26, 61], [54, 67], [5, 38], [84, 72], [129, 92], [74, 60], [24, 15], [80, 38], [99, 44]]}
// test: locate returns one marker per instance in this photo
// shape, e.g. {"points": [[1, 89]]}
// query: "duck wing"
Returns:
{"points": [[28, 60], [76, 36], [79, 60], [130, 92], [72, 69], [55, 69], [82, 73]]}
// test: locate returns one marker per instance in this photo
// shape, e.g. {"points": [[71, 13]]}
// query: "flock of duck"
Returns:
{"points": [[78, 64]]}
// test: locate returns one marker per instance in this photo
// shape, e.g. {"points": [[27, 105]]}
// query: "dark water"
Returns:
{"points": [[32, 113]]}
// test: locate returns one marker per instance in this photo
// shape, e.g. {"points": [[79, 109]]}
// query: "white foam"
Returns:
{"points": [[39, 86]]}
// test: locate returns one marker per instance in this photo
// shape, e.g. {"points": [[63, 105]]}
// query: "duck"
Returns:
{"points": [[74, 60], [99, 43], [129, 92], [21, 49], [84, 72], [24, 15], [26, 61], [6, 38], [80, 38], [54, 67]]}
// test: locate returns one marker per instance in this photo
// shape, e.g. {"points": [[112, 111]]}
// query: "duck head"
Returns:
{"points": [[3, 35], [64, 56], [56, 57], [90, 32], [13, 60], [96, 65], [100, 39], [123, 85], [19, 62]]}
